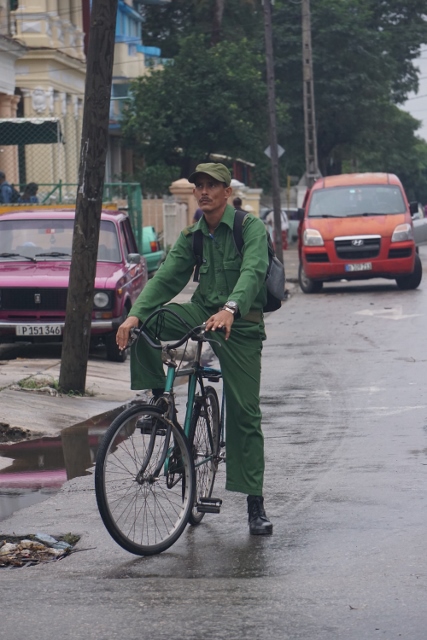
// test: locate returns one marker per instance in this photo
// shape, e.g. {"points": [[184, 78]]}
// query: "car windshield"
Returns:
{"points": [[51, 239], [345, 202]]}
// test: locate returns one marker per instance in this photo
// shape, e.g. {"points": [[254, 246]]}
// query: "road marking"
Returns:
{"points": [[392, 313], [390, 411]]}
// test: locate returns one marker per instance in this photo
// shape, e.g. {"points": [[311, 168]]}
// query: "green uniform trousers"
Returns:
{"points": [[240, 361]]}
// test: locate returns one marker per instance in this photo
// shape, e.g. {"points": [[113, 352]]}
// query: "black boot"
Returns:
{"points": [[259, 524]]}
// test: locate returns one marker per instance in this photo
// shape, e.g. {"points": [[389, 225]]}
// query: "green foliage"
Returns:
{"points": [[393, 147], [362, 58], [212, 99], [38, 383], [165, 26], [156, 178], [47, 384], [403, 28], [202, 104]]}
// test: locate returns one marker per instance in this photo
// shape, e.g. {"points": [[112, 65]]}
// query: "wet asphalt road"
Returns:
{"points": [[345, 421]]}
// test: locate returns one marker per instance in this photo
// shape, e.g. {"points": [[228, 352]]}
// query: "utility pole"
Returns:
{"points": [[93, 152], [268, 29], [311, 163]]}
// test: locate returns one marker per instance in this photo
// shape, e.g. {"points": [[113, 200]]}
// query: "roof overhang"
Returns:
{"points": [[15, 131]]}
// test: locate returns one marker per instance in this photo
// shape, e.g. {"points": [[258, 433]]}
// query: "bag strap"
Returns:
{"points": [[239, 218], [198, 252]]}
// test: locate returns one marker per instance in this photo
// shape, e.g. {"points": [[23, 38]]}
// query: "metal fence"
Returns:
{"points": [[44, 151], [123, 195]]}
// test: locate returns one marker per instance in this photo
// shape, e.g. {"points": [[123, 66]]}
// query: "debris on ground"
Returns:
{"points": [[13, 434], [39, 383], [33, 549]]}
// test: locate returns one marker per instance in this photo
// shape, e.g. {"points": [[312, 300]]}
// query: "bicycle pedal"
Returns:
{"points": [[209, 505]]}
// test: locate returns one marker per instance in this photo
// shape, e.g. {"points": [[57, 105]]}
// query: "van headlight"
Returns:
{"points": [[312, 238], [101, 300], [402, 233]]}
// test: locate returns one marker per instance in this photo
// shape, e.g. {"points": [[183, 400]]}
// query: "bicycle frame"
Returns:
{"points": [[195, 372]]}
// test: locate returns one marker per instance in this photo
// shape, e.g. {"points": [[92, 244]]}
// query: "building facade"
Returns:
{"points": [[43, 45], [131, 60]]}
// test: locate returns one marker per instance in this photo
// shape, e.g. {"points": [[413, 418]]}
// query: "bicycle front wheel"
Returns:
{"points": [[204, 446], [144, 480]]}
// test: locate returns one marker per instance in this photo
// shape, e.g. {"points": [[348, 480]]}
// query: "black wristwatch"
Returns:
{"points": [[231, 306]]}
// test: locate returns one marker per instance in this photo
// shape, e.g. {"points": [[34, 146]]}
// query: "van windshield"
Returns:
{"points": [[346, 202]]}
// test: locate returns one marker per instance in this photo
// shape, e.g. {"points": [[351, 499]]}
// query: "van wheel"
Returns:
{"points": [[413, 279], [307, 284], [113, 352]]}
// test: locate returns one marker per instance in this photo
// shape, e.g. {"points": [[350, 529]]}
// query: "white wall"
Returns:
{"points": [[9, 52]]}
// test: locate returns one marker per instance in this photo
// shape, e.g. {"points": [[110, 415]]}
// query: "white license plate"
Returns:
{"points": [[361, 266], [31, 330]]}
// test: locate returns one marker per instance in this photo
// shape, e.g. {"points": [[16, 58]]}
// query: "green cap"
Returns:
{"points": [[215, 170]]}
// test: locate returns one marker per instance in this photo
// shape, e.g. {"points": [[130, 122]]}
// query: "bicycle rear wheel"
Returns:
{"points": [[204, 446], [144, 480]]}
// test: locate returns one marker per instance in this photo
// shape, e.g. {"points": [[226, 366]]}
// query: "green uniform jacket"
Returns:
{"points": [[224, 274]]}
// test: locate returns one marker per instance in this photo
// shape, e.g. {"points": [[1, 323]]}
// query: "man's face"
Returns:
{"points": [[210, 194]]}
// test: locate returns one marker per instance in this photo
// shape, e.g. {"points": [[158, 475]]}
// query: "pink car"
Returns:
{"points": [[35, 255]]}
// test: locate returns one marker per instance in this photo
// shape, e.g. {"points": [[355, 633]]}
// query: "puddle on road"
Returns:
{"points": [[33, 470]]}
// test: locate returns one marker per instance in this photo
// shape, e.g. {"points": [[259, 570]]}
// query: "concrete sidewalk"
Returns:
{"points": [[37, 412]]}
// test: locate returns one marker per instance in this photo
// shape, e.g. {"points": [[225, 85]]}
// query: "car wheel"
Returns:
{"points": [[113, 352], [413, 279], [307, 284]]}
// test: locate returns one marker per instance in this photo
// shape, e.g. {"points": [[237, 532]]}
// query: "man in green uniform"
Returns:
{"points": [[230, 296]]}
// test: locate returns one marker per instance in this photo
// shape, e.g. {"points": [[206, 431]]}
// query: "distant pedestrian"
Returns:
{"points": [[237, 203], [269, 219], [197, 215], [30, 193], [5, 189]]}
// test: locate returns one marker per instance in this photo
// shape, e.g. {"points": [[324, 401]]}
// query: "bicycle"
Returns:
{"points": [[153, 476]]}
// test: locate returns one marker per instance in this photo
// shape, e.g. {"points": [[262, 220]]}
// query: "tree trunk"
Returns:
{"points": [[93, 154], [217, 21]]}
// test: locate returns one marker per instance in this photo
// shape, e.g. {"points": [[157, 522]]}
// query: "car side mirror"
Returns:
{"points": [[413, 207], [134, 258], [300, 214]]}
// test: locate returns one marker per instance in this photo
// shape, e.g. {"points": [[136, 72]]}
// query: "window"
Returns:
{"points": [[342, 202]]}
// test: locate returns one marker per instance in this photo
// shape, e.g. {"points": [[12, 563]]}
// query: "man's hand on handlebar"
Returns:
{"points": [[223, 320], [123, 332]]}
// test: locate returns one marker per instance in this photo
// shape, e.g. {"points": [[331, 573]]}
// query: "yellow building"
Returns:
{"points": [[49, 84], [44, 49]]}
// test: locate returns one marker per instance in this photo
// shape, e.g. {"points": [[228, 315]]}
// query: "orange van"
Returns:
{"points": [[357, 226]]}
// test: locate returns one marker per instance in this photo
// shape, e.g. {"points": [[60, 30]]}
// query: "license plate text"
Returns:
{"points": [[31, 330], [360, 266]]}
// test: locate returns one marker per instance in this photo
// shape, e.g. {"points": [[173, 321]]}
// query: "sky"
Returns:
{"points": [[416, 105]]}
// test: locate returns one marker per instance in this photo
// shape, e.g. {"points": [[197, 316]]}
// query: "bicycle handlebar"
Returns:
{"points": [[197, 333]]}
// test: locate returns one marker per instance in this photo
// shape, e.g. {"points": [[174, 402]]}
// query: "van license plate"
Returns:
{"points": [[31, 330], [361, 266]]}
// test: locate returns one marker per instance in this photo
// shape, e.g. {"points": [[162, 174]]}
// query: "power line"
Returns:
{"points": [[417, 97]]}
